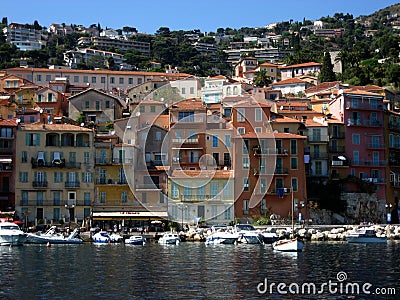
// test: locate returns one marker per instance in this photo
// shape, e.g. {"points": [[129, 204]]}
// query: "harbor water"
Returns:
{"points": [[197, 271]]}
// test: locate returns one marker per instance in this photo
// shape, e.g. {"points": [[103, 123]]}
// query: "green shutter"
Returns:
{"points": [[45, 176], [35, 176], [20, 176], [91, 176], [83, 177], [27, 139], [61, 176]]}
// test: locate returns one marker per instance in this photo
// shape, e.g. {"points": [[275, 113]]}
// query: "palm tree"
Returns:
{"points": [[261, 78]]}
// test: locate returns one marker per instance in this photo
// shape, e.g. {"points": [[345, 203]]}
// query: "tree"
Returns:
{"points": [[327, 73], [261, 78]]}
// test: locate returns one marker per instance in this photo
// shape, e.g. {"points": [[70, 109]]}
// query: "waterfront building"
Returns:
{"points": [[362, 113], [54, 172], [7, 164], [99, 79]]}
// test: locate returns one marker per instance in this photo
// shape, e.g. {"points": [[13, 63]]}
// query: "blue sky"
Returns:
{"points": [[206, 15]]}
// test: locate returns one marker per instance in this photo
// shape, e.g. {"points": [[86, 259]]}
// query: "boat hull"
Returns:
{"points": [[37, 239], [293, 245], [17, 239], [366, 240]]}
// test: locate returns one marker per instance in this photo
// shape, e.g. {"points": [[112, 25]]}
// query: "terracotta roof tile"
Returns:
{"points": [[223, 174], [288, 81], [308, 64], [54, 127]]}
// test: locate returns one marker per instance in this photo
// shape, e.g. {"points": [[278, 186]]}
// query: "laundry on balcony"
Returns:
{"points": [[56, 158], [40, 159]]}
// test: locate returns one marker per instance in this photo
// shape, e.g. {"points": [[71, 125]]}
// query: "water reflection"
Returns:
{"points": [[186, 271]]}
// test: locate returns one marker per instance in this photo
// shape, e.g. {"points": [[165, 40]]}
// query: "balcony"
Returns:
{"points": [[6, 151], [185, 141], [55, 164], [337, 135], [337, 149], [373, 163], [359, 122], [279, 190], [364, 106], [281, 171], [393, 126], [318, 138], [103, 161], [39, 184], [269, 151], [375, 180], [199, 198], [120, 161], [319, 155], [72, 184], [110, 181], [339, 163], [376, 146], [147, 186]]}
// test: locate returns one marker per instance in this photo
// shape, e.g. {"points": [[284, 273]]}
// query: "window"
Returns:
{"points": [[24, 156], [152, 109], [56, 198], [48, 78], [103, 197], [86, 198], [227, 112], [318, 168], [107, 104], [85, 79], [112, 80], [214, 189], [263, 206], [258, 130], [186, 116], [87, 104], [174, 190], [86, 157], [97, 105], [294, 184], [124, 197], [140, 80], [93, 79], [32, 139], [355, 139], [56, 213], [142, 108], [39, 198], [241, 130], [258, 114], [227, 191], [158, 135], [245, 207], [38, 77], [102, 80], [227, 140], [183, 91], [227, 213], [24, 198], [245, 147], [245, 184], [263, 186], [121, 80], [246, 162], [23, 176], [130, 80], [215, 141], [241, 115], [356, 157], [76, 79], [49, 97], [192, 90], [293, 146], [293, 163], [58, 177], [87, 177]]}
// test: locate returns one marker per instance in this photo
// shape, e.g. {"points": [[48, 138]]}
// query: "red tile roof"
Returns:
{"points": [[8, 123], [308, 64], [289, 81], [54, 127], [223, 174]]}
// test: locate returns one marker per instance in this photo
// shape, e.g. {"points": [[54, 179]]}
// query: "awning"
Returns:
{"points": [[5, 160], [130, 215]]}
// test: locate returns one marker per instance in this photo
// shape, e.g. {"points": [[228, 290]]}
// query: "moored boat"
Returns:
{"points": [[51, 236], [221, 237], [169, 239], [365, 235], [135, 240], [101, 237], [11, 234], [289, 245]]}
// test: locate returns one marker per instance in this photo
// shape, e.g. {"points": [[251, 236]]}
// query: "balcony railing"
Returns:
{"points": [[147, 186], [185, 141], [319, 155], [364, 106], [359, 122], [337, 135], [6, 151], [72, 184], [376, 145], [39, 184], [269, 151], [110, 181], [195, 198], [374, 180], [337, 149], [374, 163], [103, 161], [318, 138], [59, 164], [281, 171]]}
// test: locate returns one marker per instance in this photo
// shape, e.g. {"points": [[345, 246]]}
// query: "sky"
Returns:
{"points": [[206, 15]]}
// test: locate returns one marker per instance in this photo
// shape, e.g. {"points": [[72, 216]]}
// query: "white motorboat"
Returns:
{"points": [[10, 234], [289, 245], [247, 234], [53, 237], [365, 235], [169, 238], [221, 237], [269, 237], [116, 238], [101, 237], [135, 240]]}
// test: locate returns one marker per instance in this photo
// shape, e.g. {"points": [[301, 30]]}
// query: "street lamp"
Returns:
{"points": [[69, 208], [388, 212], [182, 207]]}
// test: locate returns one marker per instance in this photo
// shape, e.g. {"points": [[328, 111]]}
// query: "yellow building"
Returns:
{"points": [[54, 172]]}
